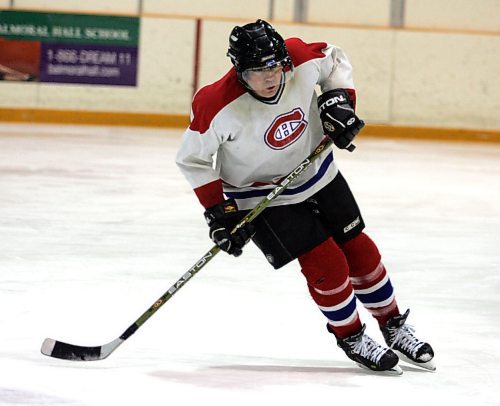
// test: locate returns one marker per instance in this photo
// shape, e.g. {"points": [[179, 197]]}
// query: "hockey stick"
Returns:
{"points": [[59, 349]]}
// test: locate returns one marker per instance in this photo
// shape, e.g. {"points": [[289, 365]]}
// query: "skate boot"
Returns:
{"points": [[399, 336], [368, 354]]}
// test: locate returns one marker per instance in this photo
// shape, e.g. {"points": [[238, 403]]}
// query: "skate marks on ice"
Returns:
{"points": [[85, 209], [252, 377], [11, 396]]}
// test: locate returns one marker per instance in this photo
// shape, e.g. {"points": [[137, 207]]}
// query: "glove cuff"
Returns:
{"points": [[221, 211], [333, 97]]}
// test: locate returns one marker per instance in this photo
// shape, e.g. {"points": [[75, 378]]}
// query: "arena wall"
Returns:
{"points": [[405, 78]]}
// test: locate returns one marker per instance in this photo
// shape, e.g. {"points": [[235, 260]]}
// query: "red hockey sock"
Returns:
{"points": [[369, 278], [327, 274]]}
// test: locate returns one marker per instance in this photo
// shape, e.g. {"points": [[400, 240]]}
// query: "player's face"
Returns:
{"points": [[264, 82]]}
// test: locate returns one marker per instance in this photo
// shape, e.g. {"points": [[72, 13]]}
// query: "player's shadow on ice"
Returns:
{"points": [[253, 375]]}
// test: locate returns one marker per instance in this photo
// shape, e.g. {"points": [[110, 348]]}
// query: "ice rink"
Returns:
{"points": [[97, 222]]}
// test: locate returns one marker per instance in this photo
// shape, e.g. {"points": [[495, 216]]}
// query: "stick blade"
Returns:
{"points": [[59, 349]]}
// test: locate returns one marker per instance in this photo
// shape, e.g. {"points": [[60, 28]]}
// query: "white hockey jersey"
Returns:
{"points": [[243, 147]]}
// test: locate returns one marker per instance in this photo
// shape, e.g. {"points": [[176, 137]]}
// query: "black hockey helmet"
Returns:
{"points": [[257, 46]]}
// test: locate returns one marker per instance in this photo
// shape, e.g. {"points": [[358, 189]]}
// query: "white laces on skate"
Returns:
{"points": [[405, 339], [368, 348]]}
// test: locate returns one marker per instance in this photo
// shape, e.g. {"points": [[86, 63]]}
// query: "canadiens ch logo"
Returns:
{"points": [[285, 129]]}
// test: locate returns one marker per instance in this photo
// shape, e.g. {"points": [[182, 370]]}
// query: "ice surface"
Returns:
{"points": [[96, 223]]}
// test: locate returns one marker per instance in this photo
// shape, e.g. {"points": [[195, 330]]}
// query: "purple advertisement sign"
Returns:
{"points": [[92, 64]]}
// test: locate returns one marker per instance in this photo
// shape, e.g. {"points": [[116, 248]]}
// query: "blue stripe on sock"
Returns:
{"points": [[380, 295], [341, 314]]}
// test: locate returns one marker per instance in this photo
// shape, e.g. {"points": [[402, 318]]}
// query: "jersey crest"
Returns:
{"points": [[285, 129]]}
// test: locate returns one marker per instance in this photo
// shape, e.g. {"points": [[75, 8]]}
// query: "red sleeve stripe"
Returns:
{"points": [[352, 95], [210, 194]]}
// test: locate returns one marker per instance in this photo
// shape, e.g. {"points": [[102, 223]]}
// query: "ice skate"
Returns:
{"points": [[368, 354], [399, 336]]}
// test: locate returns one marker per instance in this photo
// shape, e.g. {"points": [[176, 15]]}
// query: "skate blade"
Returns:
{"points": [[394, 371], [429, 365]]}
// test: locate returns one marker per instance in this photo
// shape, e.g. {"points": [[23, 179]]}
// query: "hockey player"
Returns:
{"points": [[250, 129]]}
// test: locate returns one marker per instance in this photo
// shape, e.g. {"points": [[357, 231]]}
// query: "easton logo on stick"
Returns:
{"points": [[285, 129]]}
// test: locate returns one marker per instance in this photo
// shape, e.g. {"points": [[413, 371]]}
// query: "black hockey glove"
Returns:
{"points": [[338, 118], [221, 219]]}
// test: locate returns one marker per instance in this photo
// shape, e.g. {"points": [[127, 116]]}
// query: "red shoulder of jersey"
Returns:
{"points": [[211, 99], [301, 52]]}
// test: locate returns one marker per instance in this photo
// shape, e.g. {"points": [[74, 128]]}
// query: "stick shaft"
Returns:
{"points": [[59, 349], [209, 255]]}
